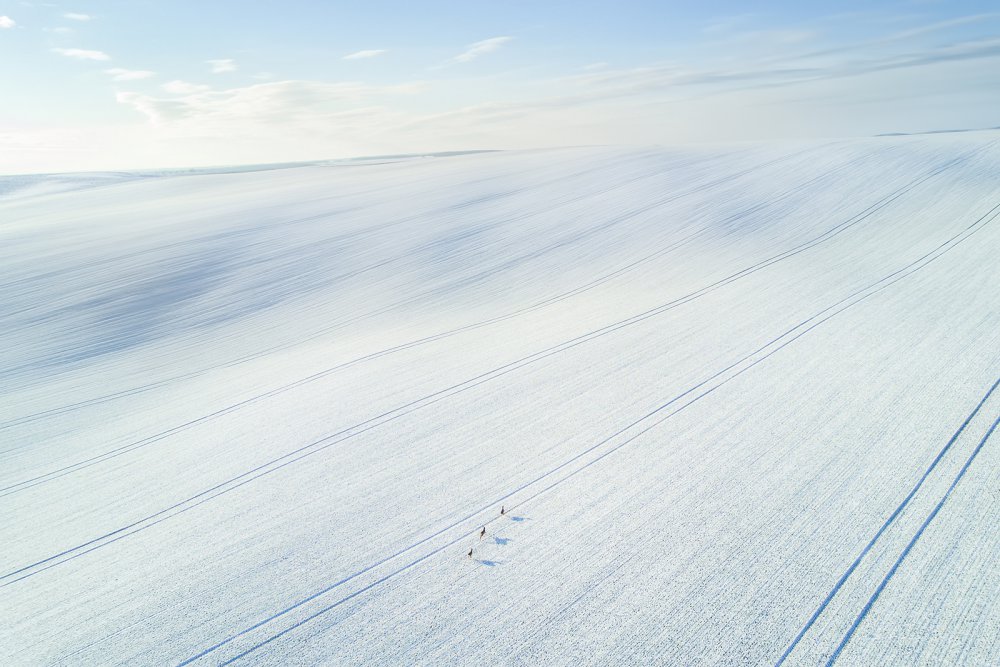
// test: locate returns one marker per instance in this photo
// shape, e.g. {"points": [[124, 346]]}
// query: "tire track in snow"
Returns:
{"points": [[156, 437], [763, 352], [553, 206], [287, 459], [13, 488], [89, 266], [325, 330], [885, 526], [906, 551]]}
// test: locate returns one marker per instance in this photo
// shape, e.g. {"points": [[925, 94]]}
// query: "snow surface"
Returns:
{"points": [[738, 402]]}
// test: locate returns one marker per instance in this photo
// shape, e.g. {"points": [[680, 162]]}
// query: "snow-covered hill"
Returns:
{"points": [[736, 402]]}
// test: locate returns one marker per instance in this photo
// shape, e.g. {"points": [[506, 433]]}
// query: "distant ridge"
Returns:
{"points": [[910, 134]]}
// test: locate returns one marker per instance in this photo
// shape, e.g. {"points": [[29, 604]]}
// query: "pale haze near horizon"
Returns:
{"points": [[118, 85]]}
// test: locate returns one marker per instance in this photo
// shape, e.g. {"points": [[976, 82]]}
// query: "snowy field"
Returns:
{"points": [[738, 402]]}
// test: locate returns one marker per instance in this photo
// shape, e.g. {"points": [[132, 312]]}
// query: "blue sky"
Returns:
{"points": [[106, 84]]}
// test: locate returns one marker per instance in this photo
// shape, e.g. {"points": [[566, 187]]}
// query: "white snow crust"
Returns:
{"points": [[738, 402]]}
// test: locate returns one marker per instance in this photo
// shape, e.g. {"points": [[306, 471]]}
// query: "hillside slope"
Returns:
{"points": [[737, 402]]}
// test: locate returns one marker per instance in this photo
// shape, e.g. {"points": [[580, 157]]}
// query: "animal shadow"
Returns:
{"points": [[502, 541], [519, 518]]}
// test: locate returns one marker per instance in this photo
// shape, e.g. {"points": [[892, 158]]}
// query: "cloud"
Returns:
{"points": [[836, 72], [940, 25], [770, 73], [222, 65], [727, 24], [7, 22], [120, 74], [479, 48], [75, 16], [184, 87], [772, 37], [367, 53], [308, 103], [903, 35], [83, 54]]}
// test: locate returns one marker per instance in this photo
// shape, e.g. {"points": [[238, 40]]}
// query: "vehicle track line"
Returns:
{"points": [[325, 330], [328, 441], [909, 547], [885, 526], [871, 290], [156, 437]]}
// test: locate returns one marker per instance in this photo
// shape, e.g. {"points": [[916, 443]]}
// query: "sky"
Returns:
{"points": [[121, 84]]}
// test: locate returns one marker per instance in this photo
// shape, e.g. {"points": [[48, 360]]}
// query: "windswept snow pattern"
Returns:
{"points": [[740, 405]]}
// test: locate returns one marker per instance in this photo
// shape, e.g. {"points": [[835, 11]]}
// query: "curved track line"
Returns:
{"points": [[885, 526], [909, 546], [846, 303], [328, 441], [325, 330], [156, 437], [553, 206]]}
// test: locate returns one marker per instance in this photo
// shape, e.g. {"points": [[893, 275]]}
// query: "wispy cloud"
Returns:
{"points": [[222, 65], [473, 51], [76, 16], [7, 22], [770, 73], [940, 25], [727, 24], [83, 54], [772, 37], [121, 74], [303, 102], [367, 53], [902, 36], [184, 87]]}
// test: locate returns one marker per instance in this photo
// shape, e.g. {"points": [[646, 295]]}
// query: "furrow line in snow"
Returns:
{"points": [[326, 330], [551, 206], [156, 437], [324, 443], [60, 273], [885, 526], [646, 423], [384, 262], [863, 215], [909, 547]]}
